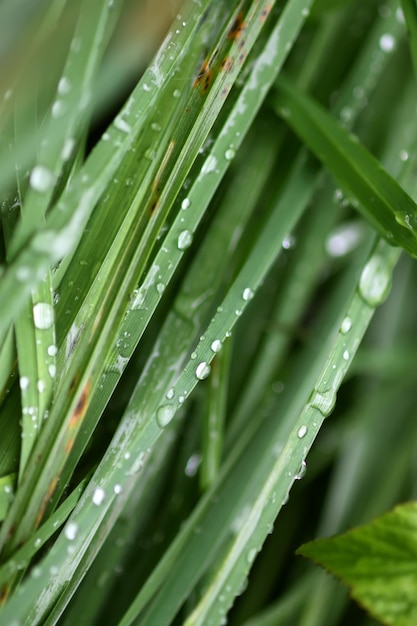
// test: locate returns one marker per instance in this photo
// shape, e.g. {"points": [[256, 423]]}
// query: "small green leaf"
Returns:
{"points": [[378, 562]]}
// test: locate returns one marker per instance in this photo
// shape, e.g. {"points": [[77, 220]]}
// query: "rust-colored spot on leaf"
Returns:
{"points": [[237, 28], [204, 77], [154, 205], [266, 12], [4, 594], [47, 497], [81, 406], [227, 64]]}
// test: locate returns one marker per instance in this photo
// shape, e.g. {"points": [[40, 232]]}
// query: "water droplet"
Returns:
{"points": [[41, 386], [346, 114], [52, 350], [202, 370], [375, 281], [193, 355], [346, 325], [52, 370], [117, 489], [216, 345], [346, 355], [185, 204], [43, 315], [192, 465], [302, 431], [41, 179], [58, 108], [165, 414], [170, 393], [209, 165], [399, 16], [68, 148], [160, 287], [303, 468], [64, 86], [122, 125], [24, 382], [230, 154], [343, 239], [288, 242], [387, 42], [184, 240], [305, 12], [156, 127], [247, 294], [71, 530], [323, 401], [404, 155], [406, 220], [176, 93], [251, 555], [98, 496]]}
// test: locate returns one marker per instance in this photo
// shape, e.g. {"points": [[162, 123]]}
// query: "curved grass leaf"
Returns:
{"points": [[378, 197]]}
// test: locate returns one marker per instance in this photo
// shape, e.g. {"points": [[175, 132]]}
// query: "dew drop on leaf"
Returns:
{"points": [[247, 294], [71, 530], [64, 85], [202, 370], [184, 240], [302, 470], [165, 414], [43, 315], [68, 148], [302, 431], [251, 556], [58, 108], [323, 401], [98, 496], [346, 325], [375, 281], [122, 125], [387, 42], [288, 242], [216, 345], [41, 179]]}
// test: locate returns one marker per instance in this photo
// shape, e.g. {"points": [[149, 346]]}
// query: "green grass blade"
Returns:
{"points": [[410, 15], [381, 200]]}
